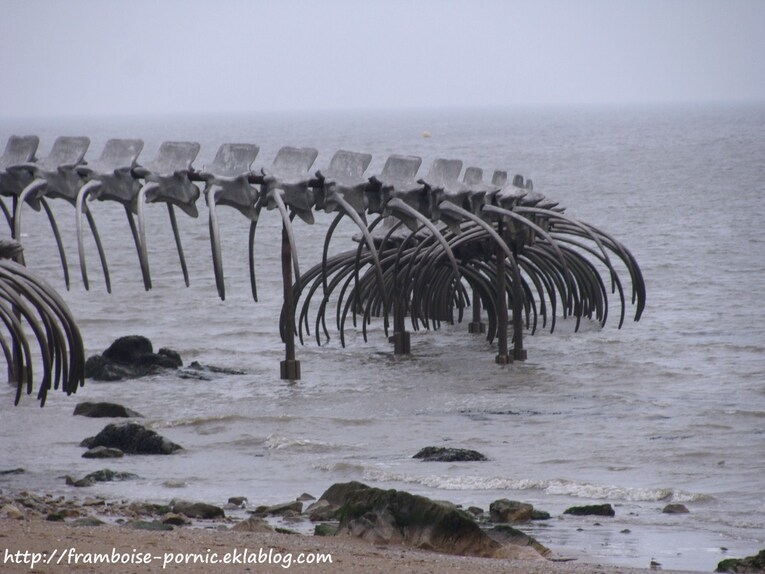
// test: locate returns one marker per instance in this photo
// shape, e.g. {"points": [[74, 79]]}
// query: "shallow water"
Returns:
{"points": [[670, 409]]}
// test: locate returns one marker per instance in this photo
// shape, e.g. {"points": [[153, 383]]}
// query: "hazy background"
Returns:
{"points": [[143, 56]]}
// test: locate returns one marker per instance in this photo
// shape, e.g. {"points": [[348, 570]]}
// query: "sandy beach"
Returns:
{"points": [[76, 547]]}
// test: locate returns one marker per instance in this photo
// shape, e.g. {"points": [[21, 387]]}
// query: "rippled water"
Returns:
{"points": [[670, 409]]}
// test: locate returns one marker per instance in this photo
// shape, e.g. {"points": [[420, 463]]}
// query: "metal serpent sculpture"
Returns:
{"points": [[428, 247]]}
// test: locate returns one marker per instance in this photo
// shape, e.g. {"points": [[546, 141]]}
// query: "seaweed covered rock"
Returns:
{"points": [[396, 517], [339, 493], [131, 438], [129, 358], [748, 564]]}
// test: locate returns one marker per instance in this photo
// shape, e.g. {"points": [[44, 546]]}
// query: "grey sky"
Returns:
{"points": [[157, 56]]}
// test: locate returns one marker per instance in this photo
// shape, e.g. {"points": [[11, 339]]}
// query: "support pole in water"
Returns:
{"points": [[503, 357], [476, 326], [401, 338], [290, 367], [519, 353]]}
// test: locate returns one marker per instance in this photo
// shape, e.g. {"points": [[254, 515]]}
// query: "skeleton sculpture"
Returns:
{"points": [[436, 244]]}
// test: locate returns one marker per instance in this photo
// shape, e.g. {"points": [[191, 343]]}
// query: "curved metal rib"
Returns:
{"points": [[277, 195], [541, 231], [36, 186], [361, 224], [253, 228], [59, 242], [80, 208], [178, 244], [397, 205], [143, 253], [215, 243]]}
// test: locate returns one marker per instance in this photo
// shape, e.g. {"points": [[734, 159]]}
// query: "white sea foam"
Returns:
{"points": [[282, 442], [196, 421], [552, 487]]}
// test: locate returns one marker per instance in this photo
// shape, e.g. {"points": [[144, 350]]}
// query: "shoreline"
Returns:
{"points": [[27, 535]]}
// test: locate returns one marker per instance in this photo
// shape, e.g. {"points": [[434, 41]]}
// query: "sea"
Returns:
{"points": [[670, 409]]}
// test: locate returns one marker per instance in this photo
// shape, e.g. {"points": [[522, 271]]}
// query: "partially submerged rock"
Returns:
{"points": [[104, 475], [129, 358], [591, 510], [131, 438], [238, 501], [441, 454], [101, 410], [200, 372], [675, 509], [103, 452]]}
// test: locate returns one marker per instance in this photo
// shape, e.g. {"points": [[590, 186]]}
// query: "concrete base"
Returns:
{"points": [[402, 344], [519, 354], [503, 359], [476, 328], [290, 370]]}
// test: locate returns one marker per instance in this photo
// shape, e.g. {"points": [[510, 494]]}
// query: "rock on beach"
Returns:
{"points": [[199, 510], [510, 511], [397, 517], [748, 564]]}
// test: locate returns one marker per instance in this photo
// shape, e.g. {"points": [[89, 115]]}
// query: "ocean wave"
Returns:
{"points": [[341, 467], [196, 421], [281, 442], [556, 487]]}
